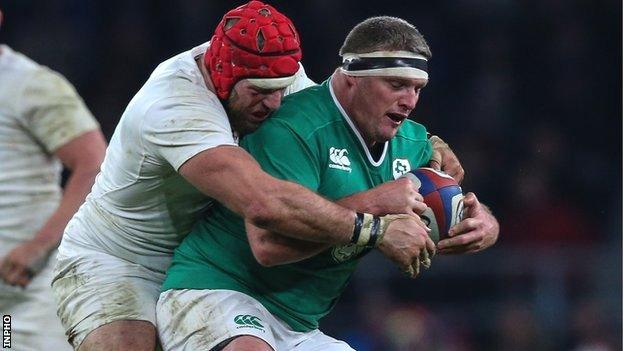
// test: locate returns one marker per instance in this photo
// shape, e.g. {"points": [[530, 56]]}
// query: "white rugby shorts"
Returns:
{"points": [[199, 320], [92, 288]]}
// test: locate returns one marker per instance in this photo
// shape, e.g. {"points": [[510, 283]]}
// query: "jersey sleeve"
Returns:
{"points": [[177, 131], [301, 82], [284, 154], [52, 111]]}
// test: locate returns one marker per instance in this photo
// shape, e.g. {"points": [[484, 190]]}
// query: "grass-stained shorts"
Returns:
{"points": [[93, 288], [202, 319]]}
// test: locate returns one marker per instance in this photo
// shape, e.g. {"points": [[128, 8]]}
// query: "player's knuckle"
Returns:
{"points": [[474, 223]]}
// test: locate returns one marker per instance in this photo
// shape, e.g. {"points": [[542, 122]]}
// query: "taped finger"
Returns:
{"points": [[425, 259], [409, 271], [416, 268]]}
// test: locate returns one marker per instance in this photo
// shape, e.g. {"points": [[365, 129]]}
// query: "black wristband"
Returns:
{"points": [[375, 227], [357, 229]]}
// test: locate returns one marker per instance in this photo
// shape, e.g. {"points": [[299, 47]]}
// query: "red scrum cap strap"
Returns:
{"points": [[253, 41]]}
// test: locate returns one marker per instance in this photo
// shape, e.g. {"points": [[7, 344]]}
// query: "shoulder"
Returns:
{"points": [[29, 71], [193, 106], [301, 82], [24, 80], [176, 92], [192, 113], [178, 76], [306, 112], [15, 62]]}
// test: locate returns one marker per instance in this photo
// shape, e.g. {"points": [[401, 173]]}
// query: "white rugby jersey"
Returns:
{"points": [[40, 111], [140, 207]]}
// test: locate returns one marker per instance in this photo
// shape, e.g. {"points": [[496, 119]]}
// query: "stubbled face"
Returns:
{"points": [[248, 106], [381, 104]]}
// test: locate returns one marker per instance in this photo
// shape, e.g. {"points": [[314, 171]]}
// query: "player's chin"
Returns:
{"points": [[387, 133], [248, 127]]}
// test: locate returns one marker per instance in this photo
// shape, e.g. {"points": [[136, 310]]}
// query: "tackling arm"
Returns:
{"points": [[231, 176]]}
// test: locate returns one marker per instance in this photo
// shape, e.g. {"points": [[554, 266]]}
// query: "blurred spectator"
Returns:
{"points": [[538, 217], [590, 326], [518, 329]]}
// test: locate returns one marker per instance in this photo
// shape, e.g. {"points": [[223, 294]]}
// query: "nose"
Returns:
{"points": [[409, 99], [273, 100]]}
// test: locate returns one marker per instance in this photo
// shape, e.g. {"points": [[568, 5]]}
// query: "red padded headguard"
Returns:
{"points": [[253, 41]]}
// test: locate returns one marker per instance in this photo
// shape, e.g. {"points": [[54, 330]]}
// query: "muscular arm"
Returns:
{"points": [[399, 196], [231, 176], [271, 249], [82, 156]]}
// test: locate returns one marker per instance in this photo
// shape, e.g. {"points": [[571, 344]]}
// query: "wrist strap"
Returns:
{"points": [[368, 230], [357, 228]]}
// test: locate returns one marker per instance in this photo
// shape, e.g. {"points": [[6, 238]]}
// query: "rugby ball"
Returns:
{"points": [[444, 198]]}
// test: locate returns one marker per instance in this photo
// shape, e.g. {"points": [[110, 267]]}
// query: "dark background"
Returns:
{"points": [[528, 94]]}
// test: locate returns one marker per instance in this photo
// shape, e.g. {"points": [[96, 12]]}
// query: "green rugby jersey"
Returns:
{"points": [[311, 141]]}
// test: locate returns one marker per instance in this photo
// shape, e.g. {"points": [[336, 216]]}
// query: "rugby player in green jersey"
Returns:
{"points": [[234, 286]]}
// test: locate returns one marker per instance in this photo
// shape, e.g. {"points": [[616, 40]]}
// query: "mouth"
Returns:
{"points": [[396, 118]]}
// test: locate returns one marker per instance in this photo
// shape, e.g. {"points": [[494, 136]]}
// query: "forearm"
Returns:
{"points": [[362, 202], [296, 212], [271, 249], [76, 189]]}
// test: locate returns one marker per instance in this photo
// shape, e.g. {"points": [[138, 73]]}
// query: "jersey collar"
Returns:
{"points": [[357, 132]]}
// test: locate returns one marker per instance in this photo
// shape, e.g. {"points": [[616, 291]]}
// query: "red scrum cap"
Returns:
{"points": [[256, 42]]}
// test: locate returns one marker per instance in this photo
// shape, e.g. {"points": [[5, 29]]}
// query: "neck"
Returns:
{"points": [[343, 89]]}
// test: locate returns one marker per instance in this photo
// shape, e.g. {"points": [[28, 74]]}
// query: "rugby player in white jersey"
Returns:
{"points": [[43, 124], [174, 148]]}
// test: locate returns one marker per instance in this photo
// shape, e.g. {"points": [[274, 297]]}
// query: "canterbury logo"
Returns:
{"points": [[247, 320], [339, 159]]}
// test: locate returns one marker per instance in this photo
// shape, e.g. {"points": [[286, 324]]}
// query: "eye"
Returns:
{"points": [[253, 91], [395, 84]]}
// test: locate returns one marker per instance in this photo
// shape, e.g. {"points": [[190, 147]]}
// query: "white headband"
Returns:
{"points": [[272, 83], [385, 63]]}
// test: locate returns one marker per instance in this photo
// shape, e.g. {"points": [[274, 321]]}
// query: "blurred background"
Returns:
{"points": [[528, 94]]}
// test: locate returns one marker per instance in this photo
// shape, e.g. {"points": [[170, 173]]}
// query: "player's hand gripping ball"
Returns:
{"points": [[444, 199]]}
